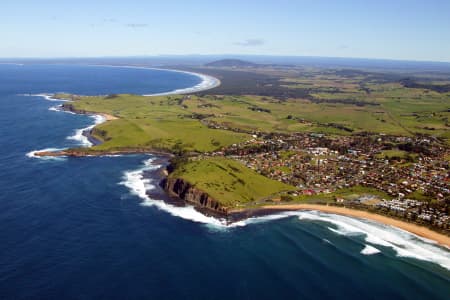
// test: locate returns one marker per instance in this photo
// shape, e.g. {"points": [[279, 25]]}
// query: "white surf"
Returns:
{"points": [[32, 154], [79, 134], [404, 244]]}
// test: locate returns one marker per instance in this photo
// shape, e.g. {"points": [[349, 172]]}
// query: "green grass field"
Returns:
{"points": [[346, 193], [396, 154], [153, 123], [229, 182], [404, 116]]}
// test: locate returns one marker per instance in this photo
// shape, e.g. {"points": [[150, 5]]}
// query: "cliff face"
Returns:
{"points": [[71, 108], [187, 192]]}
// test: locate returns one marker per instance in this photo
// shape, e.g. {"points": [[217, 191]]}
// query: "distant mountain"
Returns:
{"points": [[233, 63]]}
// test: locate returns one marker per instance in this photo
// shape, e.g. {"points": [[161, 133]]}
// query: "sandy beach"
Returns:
{"points": [[107, 116], [208, 81], [413, 228]]}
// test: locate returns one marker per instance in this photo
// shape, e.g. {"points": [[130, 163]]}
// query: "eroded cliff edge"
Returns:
{"points": [[184, 190]]}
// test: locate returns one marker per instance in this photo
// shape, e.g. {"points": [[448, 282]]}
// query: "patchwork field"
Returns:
{"points": [[162, 122]]}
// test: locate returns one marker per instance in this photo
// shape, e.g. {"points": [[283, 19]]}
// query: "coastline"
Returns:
{"points": [[107, 117], [202, 203], [83, 150], [83, 135], [208, 81], [81, 153], [416, 229], [237, 214]]}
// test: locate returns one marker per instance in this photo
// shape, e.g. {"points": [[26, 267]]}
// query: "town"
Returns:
{"points": [[399, 167]]}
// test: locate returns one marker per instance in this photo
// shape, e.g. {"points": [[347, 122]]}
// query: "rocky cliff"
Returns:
{"points": [[189, 193], [71, 108]]}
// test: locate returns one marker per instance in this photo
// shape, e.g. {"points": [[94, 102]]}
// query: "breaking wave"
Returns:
{"points": [[404, 244], [80, 134], [55, 108], [46, 96], [208, 82], [32, 154], [369, 250], [58, 108], [138, 185]]}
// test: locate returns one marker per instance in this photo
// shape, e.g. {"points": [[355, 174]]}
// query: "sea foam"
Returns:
{"points": [[404, 244], [58, 108], [369, 250], [46, 96], [79, 134], [138, 185], [55, 108], [32, 154], [208, 82]]}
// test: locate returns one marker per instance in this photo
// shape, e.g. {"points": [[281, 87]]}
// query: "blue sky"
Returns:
{"points": [[394, 29]]}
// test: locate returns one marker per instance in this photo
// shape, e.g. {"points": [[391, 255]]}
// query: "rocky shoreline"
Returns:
{"points": [[87, 152], [190, 194], [81, 152]]}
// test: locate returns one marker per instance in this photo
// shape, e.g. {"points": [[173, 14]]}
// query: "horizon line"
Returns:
{"points": [[220, 55]]}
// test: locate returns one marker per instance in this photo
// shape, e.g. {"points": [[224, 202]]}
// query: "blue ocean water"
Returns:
{"points": [[82, 228]]}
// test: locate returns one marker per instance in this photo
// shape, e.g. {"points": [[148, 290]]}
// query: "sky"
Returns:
{"points": [[387, 29]]}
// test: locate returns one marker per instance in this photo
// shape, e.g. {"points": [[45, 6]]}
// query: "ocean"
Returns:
{"points": [[84, 228]]}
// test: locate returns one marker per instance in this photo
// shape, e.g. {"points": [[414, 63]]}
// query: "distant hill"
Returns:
{"points": [[233, 63]]}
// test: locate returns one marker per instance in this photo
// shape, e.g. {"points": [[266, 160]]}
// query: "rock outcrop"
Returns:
{"points": [[189, 193], [71, 108]]}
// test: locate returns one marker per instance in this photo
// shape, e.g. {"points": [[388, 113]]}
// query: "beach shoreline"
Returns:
{"points": [[208, 82], [413, 228], [107, 117]]}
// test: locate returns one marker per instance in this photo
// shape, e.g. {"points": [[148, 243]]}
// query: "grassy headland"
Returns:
{"points": [[152, 123], [229, 182]]}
